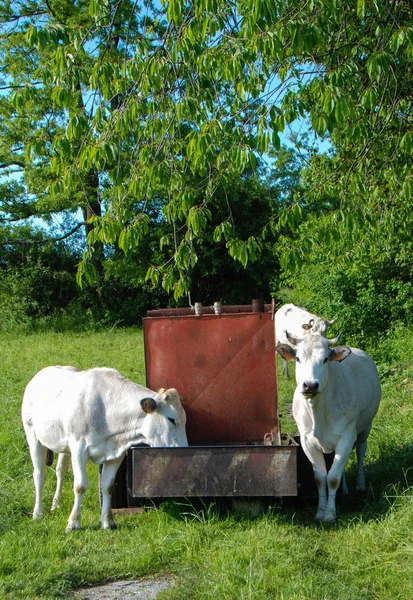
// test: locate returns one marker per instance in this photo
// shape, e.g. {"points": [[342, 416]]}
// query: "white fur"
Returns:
{"points": [[93, 415]]}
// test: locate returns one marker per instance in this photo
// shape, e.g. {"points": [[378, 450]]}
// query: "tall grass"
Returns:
{"points": [[213, 552]]}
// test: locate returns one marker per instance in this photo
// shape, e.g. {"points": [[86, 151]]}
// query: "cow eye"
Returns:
{"points": [[297, 359], [172, 420], [325, 360]]}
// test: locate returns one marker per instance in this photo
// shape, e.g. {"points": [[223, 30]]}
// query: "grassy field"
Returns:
{"points": [[213, 553]]}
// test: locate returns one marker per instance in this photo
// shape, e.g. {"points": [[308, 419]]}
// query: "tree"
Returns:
{"points": [[132, 85], [29, 121], [189, 101], [253, 202], [43, 124]]}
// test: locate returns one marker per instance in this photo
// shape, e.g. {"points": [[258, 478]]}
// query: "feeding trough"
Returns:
{"points": [[222, 361]]}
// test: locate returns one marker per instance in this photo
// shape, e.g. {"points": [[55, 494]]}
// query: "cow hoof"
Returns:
{"points": [[37, 515], [325, 516], [329, 516], [320, 515], [72, 527], [110, 525]]}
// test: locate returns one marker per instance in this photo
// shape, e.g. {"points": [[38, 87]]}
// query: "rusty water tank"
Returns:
{"points": [[224, 366]]}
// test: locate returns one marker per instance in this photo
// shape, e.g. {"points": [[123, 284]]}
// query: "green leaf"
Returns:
{"points": [[17, 100], [238, 250], [370, 99], [341, 110], [407, 189], [406, 143], [164, 241], [276, 142], [361, 8]]}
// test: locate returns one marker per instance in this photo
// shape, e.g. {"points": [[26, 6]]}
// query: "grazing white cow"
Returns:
{"points": [[337, 396], [94, 415], [298, 322]]}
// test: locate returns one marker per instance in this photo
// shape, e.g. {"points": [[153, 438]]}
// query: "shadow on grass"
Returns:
{"points": [[387, 479], [391, 474]]}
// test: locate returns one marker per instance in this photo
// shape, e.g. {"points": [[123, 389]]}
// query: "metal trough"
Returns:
{"points": [[211, 471], [224, 366]]}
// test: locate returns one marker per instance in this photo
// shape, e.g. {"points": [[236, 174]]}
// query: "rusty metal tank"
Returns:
{"points": [[222, 361], [224, 367]]}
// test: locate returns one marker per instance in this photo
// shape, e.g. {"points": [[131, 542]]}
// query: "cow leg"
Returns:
{"points": [[361, 447], [107, 481], [316, 457], [344, 482], [61, 470], [38, 456], [80, 484], [342, 454]]}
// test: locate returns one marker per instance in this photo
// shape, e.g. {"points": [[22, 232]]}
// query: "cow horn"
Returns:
{"points": [[330, 323], [335, 340], [171, 394], [293, 340]]}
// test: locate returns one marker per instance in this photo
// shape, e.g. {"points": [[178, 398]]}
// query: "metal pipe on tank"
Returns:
{"points": [[257, 305]]}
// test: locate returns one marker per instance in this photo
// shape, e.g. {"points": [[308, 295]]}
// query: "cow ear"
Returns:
{"points": [[285, 351], [148, 405], [306, 326], [339, 353]]}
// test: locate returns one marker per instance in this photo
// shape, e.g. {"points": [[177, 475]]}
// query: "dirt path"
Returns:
{"points": [[143, 589]]}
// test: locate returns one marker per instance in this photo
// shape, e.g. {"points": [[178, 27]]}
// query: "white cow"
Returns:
{"points": [[298, 322], [334, 404], [94, 415]]}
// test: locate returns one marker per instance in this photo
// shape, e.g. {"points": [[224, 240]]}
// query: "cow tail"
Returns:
{"points": [[49, 458]]}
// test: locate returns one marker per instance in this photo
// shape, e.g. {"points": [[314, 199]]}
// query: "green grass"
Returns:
{"points": [[214, 553]]}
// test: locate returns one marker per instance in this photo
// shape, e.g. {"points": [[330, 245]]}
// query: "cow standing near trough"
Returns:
{"points": [[94, 415], [298, 322], [337, 396]]}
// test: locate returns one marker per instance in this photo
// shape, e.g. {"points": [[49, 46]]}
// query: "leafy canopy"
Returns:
{"points": [[171, 104]]}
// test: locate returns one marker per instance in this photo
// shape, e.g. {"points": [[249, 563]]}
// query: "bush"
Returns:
{"points": [[364, 282]]}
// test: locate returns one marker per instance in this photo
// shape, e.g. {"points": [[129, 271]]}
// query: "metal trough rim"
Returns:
{"points": [[227, 310], [235, 445]]}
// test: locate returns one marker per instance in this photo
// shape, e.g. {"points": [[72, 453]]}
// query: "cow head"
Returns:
{"points": [[165, 420], [312, 355]]}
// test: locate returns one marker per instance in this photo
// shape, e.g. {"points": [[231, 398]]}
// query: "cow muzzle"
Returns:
{"points": [[310, 389]]}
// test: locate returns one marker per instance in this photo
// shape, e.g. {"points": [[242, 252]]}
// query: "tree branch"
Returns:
{"points": [[45, 241], [51, 10], [17, 163]]}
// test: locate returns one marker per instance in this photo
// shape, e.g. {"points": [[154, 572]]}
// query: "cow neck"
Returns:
{"points": [[127, 439], [315, 409]]}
